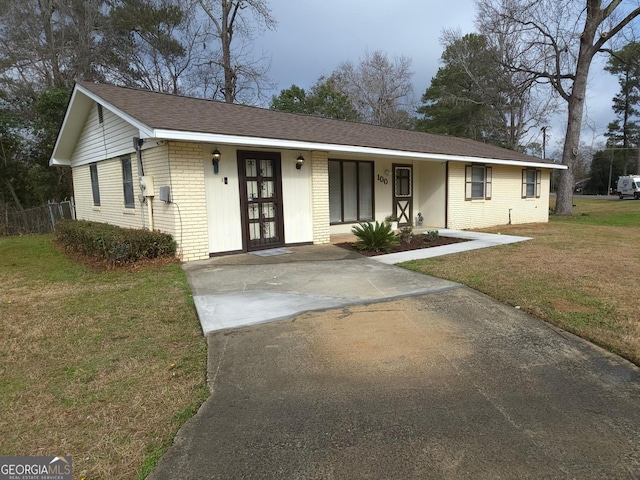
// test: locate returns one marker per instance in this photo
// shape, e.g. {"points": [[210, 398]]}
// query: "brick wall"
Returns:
{"points": [[188, 192], [506, 195], [111, 209], [320, 197]]}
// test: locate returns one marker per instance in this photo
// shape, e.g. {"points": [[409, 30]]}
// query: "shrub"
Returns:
{"points": [[406, 234], [431, 235], [378, 237], [114, 244]]}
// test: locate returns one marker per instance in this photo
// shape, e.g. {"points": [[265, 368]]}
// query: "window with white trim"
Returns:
{"points": [[531, 180], [477, 182], [127, 182], [95, 185]]}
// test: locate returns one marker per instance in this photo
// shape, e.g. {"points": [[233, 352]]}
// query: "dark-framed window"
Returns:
{"points": [[127, 182], [350, 191], [477, 182], [531, 180], [95, 185]]}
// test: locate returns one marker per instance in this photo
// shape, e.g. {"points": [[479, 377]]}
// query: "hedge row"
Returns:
{"points": [[114, 244]]}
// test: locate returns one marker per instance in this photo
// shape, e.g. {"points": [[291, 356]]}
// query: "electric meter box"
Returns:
{"points": [[146, 185]]}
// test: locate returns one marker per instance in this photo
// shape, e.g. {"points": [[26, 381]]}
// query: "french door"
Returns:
{"points": [[261, 200]]}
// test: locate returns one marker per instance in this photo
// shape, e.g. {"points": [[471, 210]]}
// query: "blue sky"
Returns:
{"points": [[314, 36]]}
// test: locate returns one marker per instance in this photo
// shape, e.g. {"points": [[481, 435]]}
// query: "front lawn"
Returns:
{"points": [[580, 272], [101, 365]]}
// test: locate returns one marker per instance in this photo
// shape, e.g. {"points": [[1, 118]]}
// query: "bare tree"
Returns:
{"points": [[48, 43], [380, 89], [556, 43], [234, 23]]}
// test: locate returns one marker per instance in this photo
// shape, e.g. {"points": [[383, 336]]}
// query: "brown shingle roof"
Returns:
{"points": [[173, 112]]}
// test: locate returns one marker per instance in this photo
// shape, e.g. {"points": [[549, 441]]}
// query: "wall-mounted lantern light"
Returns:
{"points": [[299, 162], [216, 160]]}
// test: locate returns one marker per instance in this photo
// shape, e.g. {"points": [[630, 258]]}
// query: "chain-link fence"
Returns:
{"points": [[35, 220]]}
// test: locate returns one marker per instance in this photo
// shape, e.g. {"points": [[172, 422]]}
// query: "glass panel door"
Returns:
{"points": [[262, 206]]}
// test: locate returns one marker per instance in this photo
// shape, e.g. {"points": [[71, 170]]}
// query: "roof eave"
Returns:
{"points": [[55, 162], [69, 133], [164, 134]]}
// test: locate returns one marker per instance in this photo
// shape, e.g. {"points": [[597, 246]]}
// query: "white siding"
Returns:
{"points": [[223, 201], [101, 141], [296, 198], [430, 197]]}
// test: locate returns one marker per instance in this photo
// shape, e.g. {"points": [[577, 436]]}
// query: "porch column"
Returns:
{"points": [[320, 197]]}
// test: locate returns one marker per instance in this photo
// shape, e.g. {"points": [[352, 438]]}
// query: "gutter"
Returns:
{"points": [[178, 135]]}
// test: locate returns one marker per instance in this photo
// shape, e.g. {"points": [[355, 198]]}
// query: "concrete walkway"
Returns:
{"points": [[476, 240], [240, 290]]}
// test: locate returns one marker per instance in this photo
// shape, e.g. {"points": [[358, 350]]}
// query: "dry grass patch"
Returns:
{"points": [[103, 366], [579, 272]]}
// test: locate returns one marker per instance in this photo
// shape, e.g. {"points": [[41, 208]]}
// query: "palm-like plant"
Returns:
{"points": [[377, 237]]}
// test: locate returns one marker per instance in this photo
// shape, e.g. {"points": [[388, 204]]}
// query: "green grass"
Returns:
{"points": [[631, 219], [102, 365], [579, 272]]}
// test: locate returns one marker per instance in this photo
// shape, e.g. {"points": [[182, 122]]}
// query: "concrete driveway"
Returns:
{"points": [[445, 383]]}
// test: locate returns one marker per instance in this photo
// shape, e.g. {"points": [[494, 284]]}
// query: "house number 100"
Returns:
{"points": [[382, 179]]}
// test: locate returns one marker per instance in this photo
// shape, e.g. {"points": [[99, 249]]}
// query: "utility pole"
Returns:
{"points": [[544, 152], [610, 174]]}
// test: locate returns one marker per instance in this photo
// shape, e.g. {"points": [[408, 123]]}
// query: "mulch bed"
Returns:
{"points": [[417, 242]]}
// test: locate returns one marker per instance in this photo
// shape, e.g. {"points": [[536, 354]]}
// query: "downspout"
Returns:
{"points": [[137, 144], [446, 195]]}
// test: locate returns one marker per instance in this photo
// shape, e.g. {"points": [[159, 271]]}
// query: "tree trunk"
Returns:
{"points": [[16, 200], [564, 199], [227, 36]]}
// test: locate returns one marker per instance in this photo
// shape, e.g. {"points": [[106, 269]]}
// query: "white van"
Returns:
{"points": [[629, 186]]}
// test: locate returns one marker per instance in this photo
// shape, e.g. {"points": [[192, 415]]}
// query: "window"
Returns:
{"points": [[402, 182], [95, 186], [127, 182], [350, 191], [531, 180], [477, 182]]}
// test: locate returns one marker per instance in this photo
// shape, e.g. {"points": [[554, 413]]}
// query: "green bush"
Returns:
{"points": [[378, 237], [406, 234], [431, 235], [114, 244]]}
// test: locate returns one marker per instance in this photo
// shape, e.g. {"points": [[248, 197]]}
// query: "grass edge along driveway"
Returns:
{"points": [[101, 365], [579, 272]]}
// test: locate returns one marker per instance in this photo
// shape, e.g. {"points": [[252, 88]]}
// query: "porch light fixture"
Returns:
{"points": [[216, 161], [299, 162]]}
